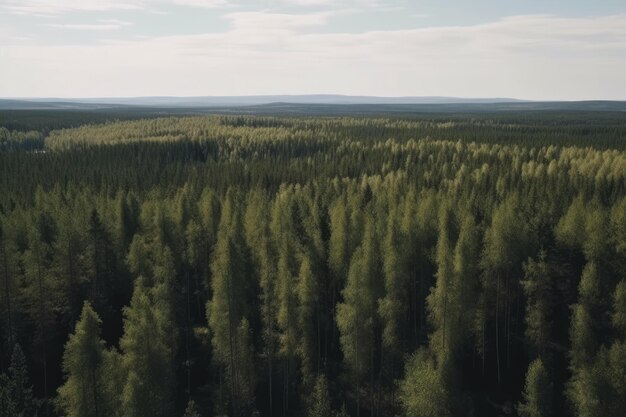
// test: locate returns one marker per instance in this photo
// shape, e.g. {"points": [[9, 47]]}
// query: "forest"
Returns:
{"points": [[437, 265]]}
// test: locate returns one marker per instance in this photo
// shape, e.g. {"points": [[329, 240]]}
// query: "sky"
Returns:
{"points": [[530, 49]]}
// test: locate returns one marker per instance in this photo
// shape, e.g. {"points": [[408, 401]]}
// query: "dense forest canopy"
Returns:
{"points": [[436, 265]]}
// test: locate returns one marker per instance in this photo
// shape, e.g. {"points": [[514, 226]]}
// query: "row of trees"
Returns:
{"points": [[453, 279]]}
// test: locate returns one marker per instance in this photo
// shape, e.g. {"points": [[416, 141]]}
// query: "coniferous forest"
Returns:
{"points": [[431, 266]]}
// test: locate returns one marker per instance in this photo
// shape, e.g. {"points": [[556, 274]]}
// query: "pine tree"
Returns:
{"points": [[537, 394], [438, 301], [228, 306], [147, 355], [465, 283], [258, 239], [357, 314], [39, 294], [504, 248], [285, 240], [393, 306], [422, 391], [81, 395], [339, 243], [21, 389], [245, 369], [319, 401], [537, 286], [307, 319]]}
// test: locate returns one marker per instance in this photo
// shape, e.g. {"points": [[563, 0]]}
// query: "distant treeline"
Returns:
{"points": [[211, 266]]}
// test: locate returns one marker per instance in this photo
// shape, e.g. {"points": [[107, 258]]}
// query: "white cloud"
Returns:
{"points": [[102, 25], [542, 57], [54, 7], [59, 7], [271, 21], [207, 4]]}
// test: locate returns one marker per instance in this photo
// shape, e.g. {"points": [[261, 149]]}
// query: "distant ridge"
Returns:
{"points": [[209, 101], [305, 105]]}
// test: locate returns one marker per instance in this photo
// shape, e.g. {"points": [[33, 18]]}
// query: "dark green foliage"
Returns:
{"points": [[537, 394], [16, 392], [423, 390], [191, 410], [84, 393], [319, 401], [239, 265]]}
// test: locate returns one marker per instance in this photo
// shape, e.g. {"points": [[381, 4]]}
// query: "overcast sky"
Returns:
{"points": [[532, 49]]}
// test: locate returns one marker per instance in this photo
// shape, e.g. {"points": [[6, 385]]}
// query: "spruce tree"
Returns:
{"points": [[537, 396], [537, 285], [147, 355], [227, 309], [357, 314], [422, 391], [319, 401], [82, 394], [307, 320], [21, 389]]}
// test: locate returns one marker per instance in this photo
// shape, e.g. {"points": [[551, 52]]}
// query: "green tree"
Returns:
{"points": [[81, 395], [537, 285], [24, 402], [307, 319], [258, 240], [319, 401], [227, 309], [438, 301], [504, 248], [393, 307], [357, 314], [422, 391], [537, 396], [147, 355]]}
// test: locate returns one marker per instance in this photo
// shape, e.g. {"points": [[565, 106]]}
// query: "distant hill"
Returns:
{"points": [[210, 101], [307, 104]]}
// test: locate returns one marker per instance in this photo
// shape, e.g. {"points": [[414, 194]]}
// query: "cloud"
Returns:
{"points": [[102, 25], [206, 4], [537, 56], [59, 7], [392, 4], [55, 7], [268, 21]]}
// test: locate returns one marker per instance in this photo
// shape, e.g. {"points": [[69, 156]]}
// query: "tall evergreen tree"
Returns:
{"points": [[308, 320], [537, 392], [357, 314], [422, 390], [537, 286], [227, 309], [82, 395], [319, 401], [24, 402], [147, 355]]}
